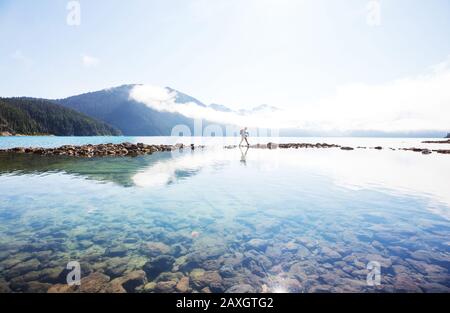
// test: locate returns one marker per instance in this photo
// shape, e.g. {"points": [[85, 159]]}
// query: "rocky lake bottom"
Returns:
{"points": [[226, 220]]}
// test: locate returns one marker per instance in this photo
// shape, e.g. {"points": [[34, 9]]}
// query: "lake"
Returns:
{"points": [[235, 220]]}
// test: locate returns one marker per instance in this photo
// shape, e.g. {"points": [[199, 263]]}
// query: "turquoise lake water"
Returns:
{"points": [[306, 220]]}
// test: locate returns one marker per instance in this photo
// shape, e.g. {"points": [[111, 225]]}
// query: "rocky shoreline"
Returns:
{"points": [[130, 149], [437, 141], [109, 149], [272, 145]]}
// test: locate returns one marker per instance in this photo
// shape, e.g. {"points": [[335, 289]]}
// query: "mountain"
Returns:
{"points": [[115, 107], [448, 135], [120, 113], [219, 107], [263, 108], [184, 98], [30, 116]]}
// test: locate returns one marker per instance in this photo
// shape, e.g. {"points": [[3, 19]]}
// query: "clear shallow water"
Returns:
{"points": [[305, 220]]}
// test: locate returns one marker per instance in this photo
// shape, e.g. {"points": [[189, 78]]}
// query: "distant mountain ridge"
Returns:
{"points": [[119, 113], [29, 116], [115, 107], [184, 98]]}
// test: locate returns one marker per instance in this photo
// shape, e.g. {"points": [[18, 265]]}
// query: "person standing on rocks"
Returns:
{"points": [[244, 135]]}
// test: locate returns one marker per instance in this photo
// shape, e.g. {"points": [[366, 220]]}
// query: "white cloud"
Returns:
{"points": [[412, 103], [407, 104], [162, 99], [89, 61]]}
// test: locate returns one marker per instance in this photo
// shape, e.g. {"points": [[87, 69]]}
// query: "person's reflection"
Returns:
{"points": [[243, 156]]}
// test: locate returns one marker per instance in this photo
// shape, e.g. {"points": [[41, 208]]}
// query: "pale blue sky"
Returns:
{"points": [[233, 52]]}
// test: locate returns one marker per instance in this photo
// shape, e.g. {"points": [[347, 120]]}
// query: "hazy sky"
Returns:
{"points": [[286, 53]]}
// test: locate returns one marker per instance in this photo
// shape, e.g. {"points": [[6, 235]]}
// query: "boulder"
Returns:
{"points": [[115, 267], [37, 287], [257, 244], [22, 268], [127, 283], [154, 267], [94, 283], [154, 249], [404, 283], [241, 288], [116, 251], [201, 279], [165, 286], [4, 287], [150, 287], [227, 271], [62, 288], [183, 285], [330, 254]]}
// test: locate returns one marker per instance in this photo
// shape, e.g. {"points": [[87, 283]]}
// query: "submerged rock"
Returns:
{"points": [[384, 262], [62, 288], [203, 256], [435, 288], [23, 267], [127, 283], [241, 288], [154, 249], [183, 285], [226, 271], [4, 287], [256, 263], [115, 267], [165, 286], [302, 252], [321, 289], [162, 263], [150, 287], [330, 254], [404, 283], [37, 287], [94, 283], [48, 275], [201, 279], [165, 276], [257, 244], [116, 251]]}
